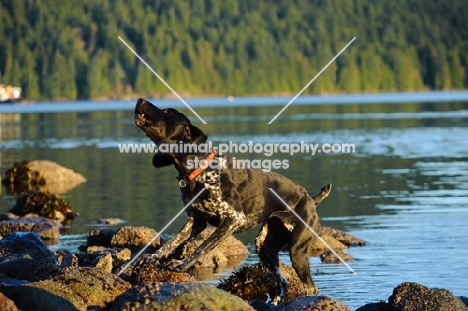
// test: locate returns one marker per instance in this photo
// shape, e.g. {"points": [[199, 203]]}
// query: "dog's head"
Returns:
{"points": [[166, 126]]}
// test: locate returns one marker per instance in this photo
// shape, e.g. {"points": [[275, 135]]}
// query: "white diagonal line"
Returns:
{"points": [[162, 80], [310, 82], [160, 232], [312, 230]]}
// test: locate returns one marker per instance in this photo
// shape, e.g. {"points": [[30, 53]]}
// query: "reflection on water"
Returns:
{"points": [[405, 190]]}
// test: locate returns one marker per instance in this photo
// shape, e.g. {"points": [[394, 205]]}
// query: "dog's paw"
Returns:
{"points": [[175, 265], [152, 259]]}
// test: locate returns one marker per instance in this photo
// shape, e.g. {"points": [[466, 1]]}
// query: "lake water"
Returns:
{"points": [[404, 190]]}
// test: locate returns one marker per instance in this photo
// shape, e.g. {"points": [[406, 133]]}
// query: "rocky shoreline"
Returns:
{"points": [[103, 276], [32, 277]]}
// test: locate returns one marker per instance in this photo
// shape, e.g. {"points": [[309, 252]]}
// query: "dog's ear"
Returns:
{"points": [[194, 135], [162, 159]]}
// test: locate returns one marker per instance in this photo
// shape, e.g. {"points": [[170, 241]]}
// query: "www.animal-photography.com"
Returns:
{"points": [[233, 155]]}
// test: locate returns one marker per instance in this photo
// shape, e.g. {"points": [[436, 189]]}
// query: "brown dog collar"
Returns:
{"points": [[195, 172]]}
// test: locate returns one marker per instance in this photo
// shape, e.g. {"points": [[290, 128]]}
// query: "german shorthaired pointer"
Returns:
{"points": [[233, 200]]}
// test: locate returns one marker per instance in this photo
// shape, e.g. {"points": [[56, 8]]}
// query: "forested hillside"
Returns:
{"points": [[70, 49]]}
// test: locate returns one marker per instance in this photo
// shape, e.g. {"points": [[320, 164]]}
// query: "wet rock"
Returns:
{"points": [[336, 239], [177, 296], [72, 289], [345, 238], [310, 303], [43, 227], [329, 257], [46, 205], [93, 285], [146, 271], [135, 238], [109, 221], [415, 297], [229, 251], [43, 295], [40, 175], [104, 262], [25, 256], [109, 259], [318, 247], [258, 282], [6, 304]]}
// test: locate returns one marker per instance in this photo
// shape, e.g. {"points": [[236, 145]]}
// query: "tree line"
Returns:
{"points": [[71, 49]]}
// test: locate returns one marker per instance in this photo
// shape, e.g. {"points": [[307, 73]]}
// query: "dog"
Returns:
{"points": [[231, 199]]}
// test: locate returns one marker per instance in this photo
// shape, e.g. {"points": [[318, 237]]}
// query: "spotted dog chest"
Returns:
{"points": [[211, 204]]}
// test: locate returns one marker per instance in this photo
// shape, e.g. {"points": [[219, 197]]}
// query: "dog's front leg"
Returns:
{"points": [[225, 228], [192, 228]]}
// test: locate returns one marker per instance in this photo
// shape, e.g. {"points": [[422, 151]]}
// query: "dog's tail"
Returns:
{"points": [[322, 194]]}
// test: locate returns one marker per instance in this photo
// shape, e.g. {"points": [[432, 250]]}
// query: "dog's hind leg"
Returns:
{"points": [[272, 238], [301, 239]]}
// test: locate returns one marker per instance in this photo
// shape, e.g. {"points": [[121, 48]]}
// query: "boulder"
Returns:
{"points": [[40, 175], [309, 303], [227, 254], [177, 297], [109, 221], [345, 238], [109, 259], [146, 271], [336, 239], [25, 256], [43, 204], [43, 227], [411, 296], [330, 257], [415, 297], [258, 282], [72, 289], [133, 238]]}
